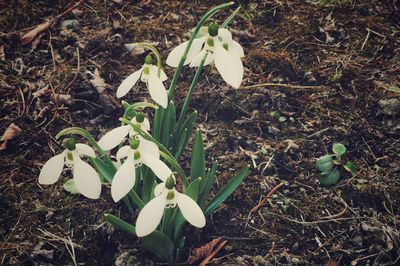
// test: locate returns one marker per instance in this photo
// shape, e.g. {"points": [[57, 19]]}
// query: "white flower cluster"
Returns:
{"points": [[216, 46]]}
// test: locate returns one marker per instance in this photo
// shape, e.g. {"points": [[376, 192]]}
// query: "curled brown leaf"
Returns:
{"points": [[31, 35], [11, 132]]}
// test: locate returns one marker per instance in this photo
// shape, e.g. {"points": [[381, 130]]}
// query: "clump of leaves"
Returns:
{"points": [[330, 165]]}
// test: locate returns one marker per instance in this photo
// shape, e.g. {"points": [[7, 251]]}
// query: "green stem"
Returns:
{"points": [[230, 18], [194, 34], [190, 93]]}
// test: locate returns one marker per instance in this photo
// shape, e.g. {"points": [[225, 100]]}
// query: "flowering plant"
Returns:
{"points": [[146, 173]]}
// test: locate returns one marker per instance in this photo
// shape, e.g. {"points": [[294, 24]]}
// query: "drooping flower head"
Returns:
{"points": [[221, 49], [140, 151], [148, 74], [167, 197], [117, 135], [86, 180]]}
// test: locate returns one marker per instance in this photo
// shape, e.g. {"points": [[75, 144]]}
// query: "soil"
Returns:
{"points": [[316, 73]]}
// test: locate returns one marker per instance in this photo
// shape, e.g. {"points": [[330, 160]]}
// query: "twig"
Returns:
{"points": [[291, 86], [266, 197], [212, 254], [77, 71]]}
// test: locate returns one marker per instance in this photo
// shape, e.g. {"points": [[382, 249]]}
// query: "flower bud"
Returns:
{"points": [[213, 29], [139, 117], [170, 182], [134, 143], [70, 144]]}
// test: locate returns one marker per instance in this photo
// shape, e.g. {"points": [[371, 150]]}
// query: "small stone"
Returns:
{"points": [[70, 23], [389, 106], [126, 258]]}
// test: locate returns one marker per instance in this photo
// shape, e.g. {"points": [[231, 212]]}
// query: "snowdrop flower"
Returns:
{"points": [[140, 151], [117, 135], [222, 50], [167, 197], [148, 74], [85, 178]]}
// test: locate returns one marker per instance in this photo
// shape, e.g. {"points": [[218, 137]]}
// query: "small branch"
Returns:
{"points": [[266, 197]]}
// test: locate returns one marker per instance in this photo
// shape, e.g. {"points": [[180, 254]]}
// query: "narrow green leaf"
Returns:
{"points": [[227, 190], [160, 245], [169, 124], [119, 223], [206, 185], [197, 167], [105, 170], [183, 135], [230, 18]]}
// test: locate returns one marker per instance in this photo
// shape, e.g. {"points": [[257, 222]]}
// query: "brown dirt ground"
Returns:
{"points": [[338, 59]]}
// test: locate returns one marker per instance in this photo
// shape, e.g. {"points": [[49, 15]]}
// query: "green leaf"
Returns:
{"points": [[350, 167], [160, 245], [324, 163], [106, 170], [206, 185], [183, 136], [394, 89], [330, 179], [227, 190], [70, 187], [119, 223], [339, 149], [197, 167], [168, 124]]}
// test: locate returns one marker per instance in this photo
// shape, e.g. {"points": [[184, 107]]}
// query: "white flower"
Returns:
{"points": [[148, 74], [140, 151], [167, 197], [223, 51], [117, 135], [86, 180]]}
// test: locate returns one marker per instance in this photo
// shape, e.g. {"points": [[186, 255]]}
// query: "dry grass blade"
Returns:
{"points": [[52, 237], [209, 257]]}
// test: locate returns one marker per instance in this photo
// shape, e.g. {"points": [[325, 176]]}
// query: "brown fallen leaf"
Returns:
{"points": [[64, 99], [11, 132], [203, 251], [31, 35], [98, 82], [43, 91]]}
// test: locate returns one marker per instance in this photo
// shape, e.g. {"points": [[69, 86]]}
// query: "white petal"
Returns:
{"points": [[86, 180], [123, 180], [128, 83], [190, 210], [159, 189], [157, 91], [150, 216], [225, 34], [230, 67], [145, 125], [123, 152], [154, 70], [176, 54], [197, 59], [114, 137], [52, 169], [148, 147], [84, 149], [237, 48], [159, 168]]}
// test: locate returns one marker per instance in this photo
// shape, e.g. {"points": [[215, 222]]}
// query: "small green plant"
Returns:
{"points": [[329, 165]]}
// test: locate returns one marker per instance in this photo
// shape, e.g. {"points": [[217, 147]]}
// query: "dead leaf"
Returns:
{"points": [[98, 82], [134, 49], [331, 263], [77, 12], [2, 54], [63, 98], [203, 251], [11, 132], [30, 36]]}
